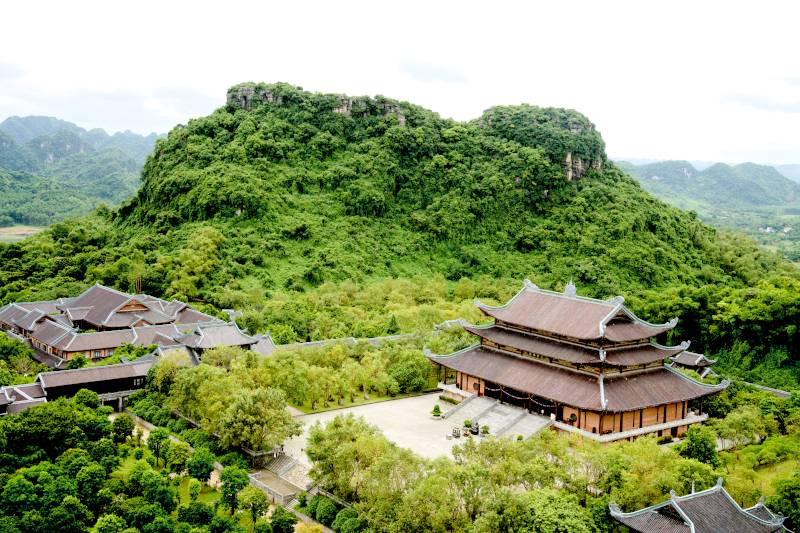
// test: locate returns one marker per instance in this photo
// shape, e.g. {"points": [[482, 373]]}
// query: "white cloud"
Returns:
{"points": [[659, 80]]}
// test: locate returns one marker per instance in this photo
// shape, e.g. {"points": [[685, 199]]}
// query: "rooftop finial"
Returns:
{"points": [[570, 290], [529, 284]]}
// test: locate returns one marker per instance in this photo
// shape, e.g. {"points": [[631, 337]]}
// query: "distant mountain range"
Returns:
{"points": [[757, 199], [790, 171], [51, 169]]}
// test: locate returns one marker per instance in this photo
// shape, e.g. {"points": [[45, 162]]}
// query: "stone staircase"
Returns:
{"points": [[500, 416], [504, 420], [281, 464], [526, 425], [472, 408]]}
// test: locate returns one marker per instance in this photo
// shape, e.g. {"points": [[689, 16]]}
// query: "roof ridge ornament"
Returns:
{"points": [[528, 284], [617, 300], [571, 290]]}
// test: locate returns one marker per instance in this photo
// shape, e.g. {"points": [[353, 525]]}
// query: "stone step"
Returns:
{"points": [[526, 426], [281, 464]]}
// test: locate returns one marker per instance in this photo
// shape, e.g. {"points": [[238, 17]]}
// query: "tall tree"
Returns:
{"points": [[233, 479], [257, 419]]}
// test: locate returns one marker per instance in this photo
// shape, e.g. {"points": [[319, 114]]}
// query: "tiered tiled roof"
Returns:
{"points": [[107, 308], [708, 511], [572, 316], [582, 352], [624, 392], [575, 353]]}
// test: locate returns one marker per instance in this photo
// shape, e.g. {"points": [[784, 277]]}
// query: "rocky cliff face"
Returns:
{"points": [[576, 167], [248, 95]]}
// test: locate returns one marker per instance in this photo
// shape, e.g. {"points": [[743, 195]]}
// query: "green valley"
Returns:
{"points": [[51, 169], [753, 199]]}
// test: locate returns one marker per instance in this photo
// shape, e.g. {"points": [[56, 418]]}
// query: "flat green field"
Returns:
{"points": [[17, 233]]}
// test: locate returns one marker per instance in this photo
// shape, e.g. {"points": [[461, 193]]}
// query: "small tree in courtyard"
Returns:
{"points": [[254, 501], [157, 441], [122, 427], [201, 464], [233, 479]]}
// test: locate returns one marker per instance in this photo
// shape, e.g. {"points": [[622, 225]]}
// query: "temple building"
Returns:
{"points": [[708, 511], [590, 365], [98, 321]]}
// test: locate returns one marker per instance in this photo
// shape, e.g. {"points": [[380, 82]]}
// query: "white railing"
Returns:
{"points": [[636, 432]]}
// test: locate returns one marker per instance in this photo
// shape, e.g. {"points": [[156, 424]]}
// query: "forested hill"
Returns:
{"points": [[755, 199], [51, 169], [280, 191]]}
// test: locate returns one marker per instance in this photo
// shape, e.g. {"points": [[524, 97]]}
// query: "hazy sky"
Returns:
{"points": [[689, 80]]}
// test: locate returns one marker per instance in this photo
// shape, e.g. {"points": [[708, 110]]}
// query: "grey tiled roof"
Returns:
{"points": [[708, 511]]}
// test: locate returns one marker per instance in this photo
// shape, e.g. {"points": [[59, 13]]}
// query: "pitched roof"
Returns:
{"points": [[574, 353], [106, 307], [11, 312], [93, 374], [28, 321], [265, 345], [52, 333], [693, 359], [708, 511], [103, 340], [569, 315], [147, 335], [625, 392], [212, 336]]}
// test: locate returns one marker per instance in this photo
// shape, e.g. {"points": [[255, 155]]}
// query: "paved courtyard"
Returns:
{"points": [[406, 422]]}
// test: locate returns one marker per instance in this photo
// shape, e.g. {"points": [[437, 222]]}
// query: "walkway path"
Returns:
{"points": [[407, 422]]}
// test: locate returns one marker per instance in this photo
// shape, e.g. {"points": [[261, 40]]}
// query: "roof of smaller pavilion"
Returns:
{"points": [[569, 315], [708, 511], [693, 359], [212, 336]]}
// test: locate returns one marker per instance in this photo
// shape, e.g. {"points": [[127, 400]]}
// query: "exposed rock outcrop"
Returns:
{"points": [[576, 168]]}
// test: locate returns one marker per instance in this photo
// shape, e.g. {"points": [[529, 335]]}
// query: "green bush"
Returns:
{"points": [[325, 511], [343, 516]]}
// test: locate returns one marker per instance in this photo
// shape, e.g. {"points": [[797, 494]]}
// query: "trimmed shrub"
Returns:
{"points": [[326, 511], [343, 516]]}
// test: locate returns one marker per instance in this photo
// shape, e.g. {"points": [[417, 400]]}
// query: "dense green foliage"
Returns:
{"points": [[64, 467], [17, 365], [754, 199], [553, 482], [296, 207], [51, 169]]}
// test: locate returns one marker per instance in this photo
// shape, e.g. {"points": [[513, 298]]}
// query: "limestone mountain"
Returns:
{"points": [[282, 196]]}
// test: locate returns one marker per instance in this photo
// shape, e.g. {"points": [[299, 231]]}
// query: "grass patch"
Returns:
{"points": [[208, 495], [359, 400], [17, 233]]}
